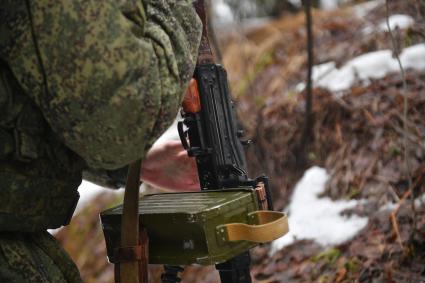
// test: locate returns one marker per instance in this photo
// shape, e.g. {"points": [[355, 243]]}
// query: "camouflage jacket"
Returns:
{"points": [[83, 84]]}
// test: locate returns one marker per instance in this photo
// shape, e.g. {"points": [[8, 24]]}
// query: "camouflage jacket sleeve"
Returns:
{"points": [[108, 75]]}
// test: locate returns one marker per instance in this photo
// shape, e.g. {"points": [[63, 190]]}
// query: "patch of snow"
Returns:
{"points": [[170, 134], [222, 12], [54, 231], [414, 57], [369, 65], [420, 201], [373, 65], [90, 191], [368, 30], [361, 10], [318, 219], [397, 21], [324, 4], [299, 87], [329, 4], [320, 71]]}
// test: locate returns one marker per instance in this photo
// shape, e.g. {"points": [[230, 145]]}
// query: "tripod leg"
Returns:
{"points": [[236, 270]]}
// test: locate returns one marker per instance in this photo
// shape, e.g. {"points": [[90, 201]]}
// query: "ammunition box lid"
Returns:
{"points": [[210, 204]]}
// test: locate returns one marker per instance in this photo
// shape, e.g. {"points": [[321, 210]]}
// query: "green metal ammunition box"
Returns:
{"points": [[187, 228]]}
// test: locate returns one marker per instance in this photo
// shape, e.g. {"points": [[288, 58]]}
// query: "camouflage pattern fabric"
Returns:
{"points": [[84, 84], [34, 257], [103, 80], [107, 76]]}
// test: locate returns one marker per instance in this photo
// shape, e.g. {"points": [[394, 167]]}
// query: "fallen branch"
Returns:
{"points": [[393, 218]]}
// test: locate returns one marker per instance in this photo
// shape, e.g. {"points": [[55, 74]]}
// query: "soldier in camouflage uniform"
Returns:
{"points": [[84, 85]]}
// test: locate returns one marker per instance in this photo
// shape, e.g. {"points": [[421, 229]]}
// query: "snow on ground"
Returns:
{"points": [[318, 219], [361, 10], [420, 201], [395, 22], [222, 12], [324, 4], [90, 191], [329, 4], [373, 65]]}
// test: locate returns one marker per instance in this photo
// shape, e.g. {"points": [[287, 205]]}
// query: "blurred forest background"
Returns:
{"points": [[366, 129]]}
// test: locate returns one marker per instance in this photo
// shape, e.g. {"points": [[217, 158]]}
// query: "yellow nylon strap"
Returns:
{"points": [[271, 226]]}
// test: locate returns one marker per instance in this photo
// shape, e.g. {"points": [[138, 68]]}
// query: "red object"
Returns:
{"points": [[192, 102]]}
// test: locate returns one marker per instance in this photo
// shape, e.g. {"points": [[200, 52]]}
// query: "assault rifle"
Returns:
{"points": [[210, 134]]}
